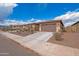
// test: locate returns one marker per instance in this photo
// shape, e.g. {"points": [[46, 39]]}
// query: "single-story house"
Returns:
{"points": [[48, 26], [45, 26]]}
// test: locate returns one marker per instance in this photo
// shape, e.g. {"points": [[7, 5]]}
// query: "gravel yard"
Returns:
{"points": [[68, 39], [21, 33]]}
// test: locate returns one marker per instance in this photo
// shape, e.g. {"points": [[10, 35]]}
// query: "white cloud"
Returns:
{"points": [[31, 20], [35, 20], [13, 22], [20, 22], [6, 9], [8, 4], [39, 21], [69, 18]]}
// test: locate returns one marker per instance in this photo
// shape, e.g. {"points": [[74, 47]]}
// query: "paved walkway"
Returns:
{"points": [[38, 43]]}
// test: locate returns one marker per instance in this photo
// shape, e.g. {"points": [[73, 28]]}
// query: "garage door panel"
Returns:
{"points": [[49, 28]]}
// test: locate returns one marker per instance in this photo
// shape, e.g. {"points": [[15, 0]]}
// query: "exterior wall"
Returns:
{"points": [[77, 27], [40, 26], [59, 27], [68, 29], [73, 28]]}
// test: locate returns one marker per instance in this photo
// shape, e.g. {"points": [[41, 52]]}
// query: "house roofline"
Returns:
{"points": [[75, 23], [48, 21], [41, 22]]}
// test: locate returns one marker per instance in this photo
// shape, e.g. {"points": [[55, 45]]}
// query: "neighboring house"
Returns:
{"points": [[73, 28], [16, 28], [3, 28], [48, 26]]}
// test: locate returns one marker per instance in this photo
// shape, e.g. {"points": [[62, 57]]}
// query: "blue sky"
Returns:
{"points": [[35, 12], [26, 11]]}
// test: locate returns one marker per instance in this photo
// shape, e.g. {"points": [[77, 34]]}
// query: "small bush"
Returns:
{"points": [[57, 36]]}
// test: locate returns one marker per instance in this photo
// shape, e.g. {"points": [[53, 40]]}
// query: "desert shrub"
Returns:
{"points": [[57, 36], [32, 31]]}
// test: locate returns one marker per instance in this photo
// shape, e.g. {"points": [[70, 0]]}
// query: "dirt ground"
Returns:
{"points": [[21, 33], [68, 39]]}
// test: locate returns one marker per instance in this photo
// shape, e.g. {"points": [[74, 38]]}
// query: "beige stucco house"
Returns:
{"points": [[48, 26], [45, 26]]}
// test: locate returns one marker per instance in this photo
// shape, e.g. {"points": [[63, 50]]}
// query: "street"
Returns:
{"points": [[11, 48]]}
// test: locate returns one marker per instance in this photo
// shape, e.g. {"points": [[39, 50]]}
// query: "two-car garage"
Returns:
{"points": [[48, 27]]}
